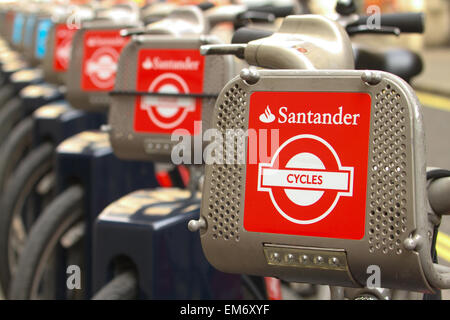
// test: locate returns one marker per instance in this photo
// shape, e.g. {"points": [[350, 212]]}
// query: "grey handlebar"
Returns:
{"points": [[439, 196]]}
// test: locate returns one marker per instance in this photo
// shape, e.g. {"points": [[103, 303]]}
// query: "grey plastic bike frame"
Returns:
{"points": [[397, 230], [438, 192], [157, 11], [402, 253], [80, 99], [48, 62], [29, 52], [83, 13], [179, 21], [304, 42], [126, 142], [325, 45], [184, 28], [182, 20]]}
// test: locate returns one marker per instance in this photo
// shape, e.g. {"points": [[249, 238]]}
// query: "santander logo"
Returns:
{"points": [[305, 178], [102, 67], [339, 117], [267, 116], [156, 63], [63, 52], [113, 41], [307, 168]]}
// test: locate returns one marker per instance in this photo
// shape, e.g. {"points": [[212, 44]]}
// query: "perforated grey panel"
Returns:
{"points": [[393, 209], [387, 194], [388, 170], [226, 181]]}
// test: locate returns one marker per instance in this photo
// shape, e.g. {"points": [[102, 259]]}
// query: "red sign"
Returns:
{"points": [[101, 54], [63, 46], [314, 183], [169, 71]]}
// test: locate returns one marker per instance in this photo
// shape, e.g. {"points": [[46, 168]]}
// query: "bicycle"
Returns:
{"points": [[161, 214], [25, 161], [109, 261], [79, 183], [384, 173]]}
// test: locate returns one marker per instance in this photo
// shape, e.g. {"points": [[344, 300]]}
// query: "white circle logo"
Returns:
{"points": [[305, 179], [102, 67], [167, 112], [63, 52]]}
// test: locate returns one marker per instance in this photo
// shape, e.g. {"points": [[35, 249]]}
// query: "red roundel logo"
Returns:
{"points": [[101, 68], [309, 176], [168, 112], [171, 72], [101, 55], [306, 171]]}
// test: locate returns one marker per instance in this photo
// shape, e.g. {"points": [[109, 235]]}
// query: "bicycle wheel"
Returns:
{"points": [[43, 244], [14, 148], [123, 287], [10, 114], [18, 207], [6, 93]]}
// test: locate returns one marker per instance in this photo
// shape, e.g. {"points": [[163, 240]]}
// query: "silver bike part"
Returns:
{"points": [[438, 195], [79, 95], [302, 42], [156, 11], [66, 23], [130, 143], [180, 21], [397, 233]]}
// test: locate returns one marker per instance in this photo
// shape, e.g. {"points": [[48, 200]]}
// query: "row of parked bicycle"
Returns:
{"points": [[114, 136]]}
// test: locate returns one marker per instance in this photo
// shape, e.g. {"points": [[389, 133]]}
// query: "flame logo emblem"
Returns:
{"points": [[147, 65], [267, 116]]}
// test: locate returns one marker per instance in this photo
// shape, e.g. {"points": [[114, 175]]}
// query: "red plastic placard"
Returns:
{"points": [[177, 71], [313, 181], [63, 46], [101, 54]]}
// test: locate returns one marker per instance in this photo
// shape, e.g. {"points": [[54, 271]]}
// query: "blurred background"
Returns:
{"points": [[433, 45]]}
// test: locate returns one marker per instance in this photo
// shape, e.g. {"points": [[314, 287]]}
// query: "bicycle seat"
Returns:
{"points": [[302, 42], [155, 12], [182, 20], [401, 62], [119, 13]]}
